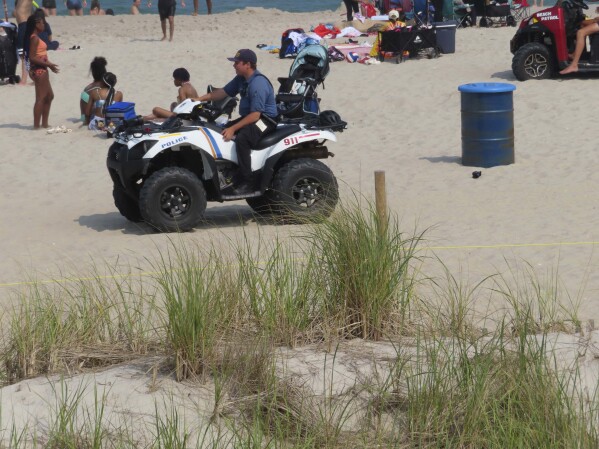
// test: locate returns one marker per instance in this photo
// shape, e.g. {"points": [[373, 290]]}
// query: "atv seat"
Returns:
{"points": [[280, 133]]}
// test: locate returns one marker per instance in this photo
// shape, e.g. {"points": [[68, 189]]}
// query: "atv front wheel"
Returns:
{"points": [[172, 199], [305, 189], [532, 61], [127, 206]]}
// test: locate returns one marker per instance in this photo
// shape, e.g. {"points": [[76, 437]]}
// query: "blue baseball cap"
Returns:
{"points": [[244, 55]]}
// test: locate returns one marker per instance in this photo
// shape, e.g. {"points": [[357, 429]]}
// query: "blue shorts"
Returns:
{"points": [[74, 4]]}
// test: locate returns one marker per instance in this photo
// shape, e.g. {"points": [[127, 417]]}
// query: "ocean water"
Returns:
{"points": [[218, 6]]}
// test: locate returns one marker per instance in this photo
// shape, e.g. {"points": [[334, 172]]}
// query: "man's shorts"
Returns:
{"points": [[49, 4], [74, 4], [166, 9], [21, 38]]}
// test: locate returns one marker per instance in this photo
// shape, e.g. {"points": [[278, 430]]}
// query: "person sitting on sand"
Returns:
{"points": [[100, 99], [98, 69], [181, 79], [135, 7], [96, 9], [588, 27]]}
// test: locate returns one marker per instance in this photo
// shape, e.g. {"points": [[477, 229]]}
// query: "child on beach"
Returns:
{"points": [[135, 7], [98, 70], [36, 53], [186, 90]]}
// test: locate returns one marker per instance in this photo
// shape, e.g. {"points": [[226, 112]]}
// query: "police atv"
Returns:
{"points": [[165, 174], [543, 41]]}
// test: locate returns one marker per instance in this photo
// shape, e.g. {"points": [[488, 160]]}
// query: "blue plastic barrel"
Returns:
{"points": [[487, 124]]}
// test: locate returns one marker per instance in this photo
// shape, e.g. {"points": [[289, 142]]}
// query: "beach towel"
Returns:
{"points": [[326, 31]]}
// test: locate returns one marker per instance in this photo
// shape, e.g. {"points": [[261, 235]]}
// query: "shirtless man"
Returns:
{"points": [[186, 90], [23, 10], [135, 7]]}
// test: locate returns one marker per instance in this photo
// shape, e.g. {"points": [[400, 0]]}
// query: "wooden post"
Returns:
{"points": [[381, 200]]}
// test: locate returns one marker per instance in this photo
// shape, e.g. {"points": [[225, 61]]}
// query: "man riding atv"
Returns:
{"points": [[588, 27], [545, 41]]}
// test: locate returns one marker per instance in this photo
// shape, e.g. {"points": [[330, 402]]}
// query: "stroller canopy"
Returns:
{"points": [[312, 61]]}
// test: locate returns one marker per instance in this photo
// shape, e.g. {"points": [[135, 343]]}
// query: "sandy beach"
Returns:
{"points": [[57, 210]]}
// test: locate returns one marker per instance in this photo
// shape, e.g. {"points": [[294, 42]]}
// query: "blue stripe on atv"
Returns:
{"points": [[214, 144]]}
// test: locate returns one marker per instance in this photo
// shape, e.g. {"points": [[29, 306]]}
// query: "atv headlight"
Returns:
{"points": [[138, 151]]}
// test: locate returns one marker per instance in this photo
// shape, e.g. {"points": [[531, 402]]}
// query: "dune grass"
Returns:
{"points": [[221, 316]]}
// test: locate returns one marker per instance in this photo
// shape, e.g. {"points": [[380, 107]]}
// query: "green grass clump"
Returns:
{"points": [[366, 279], [85, 324], [201, 307]]}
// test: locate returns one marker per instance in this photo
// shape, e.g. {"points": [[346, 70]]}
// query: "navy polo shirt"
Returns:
{"points": [[257, 94]]}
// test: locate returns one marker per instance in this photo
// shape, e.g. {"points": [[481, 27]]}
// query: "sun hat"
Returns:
{"points": [[244, 55], [393, 14]]}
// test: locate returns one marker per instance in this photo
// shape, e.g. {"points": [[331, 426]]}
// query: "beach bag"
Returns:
{"points": [[368, 9], [287, 46], [335, 55]]}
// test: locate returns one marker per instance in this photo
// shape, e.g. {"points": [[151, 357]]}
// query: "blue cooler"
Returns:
{"points": [[119, 111]]}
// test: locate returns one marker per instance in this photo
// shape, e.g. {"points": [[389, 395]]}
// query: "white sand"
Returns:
{"points": [[56, 205]]}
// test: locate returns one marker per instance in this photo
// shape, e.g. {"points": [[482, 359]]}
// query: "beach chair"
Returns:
{"points": [[297, 99], [520, 10], [463, 16]]}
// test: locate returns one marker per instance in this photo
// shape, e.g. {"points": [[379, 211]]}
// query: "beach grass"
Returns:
{"points": [[238, 322]]}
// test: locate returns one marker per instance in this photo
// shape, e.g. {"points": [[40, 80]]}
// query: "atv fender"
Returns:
{"points": [[531, 33]]}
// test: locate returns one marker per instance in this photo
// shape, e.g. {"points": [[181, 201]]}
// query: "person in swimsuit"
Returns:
{"points": [[75, 7], [102, 98], [49, 7], [196, 7], [186, 90], [98, 69], [166, 10], [135, 7], [96, 9], [36, 53]]}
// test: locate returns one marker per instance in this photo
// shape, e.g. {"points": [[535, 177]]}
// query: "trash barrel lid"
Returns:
{"points": [[480, 88]]}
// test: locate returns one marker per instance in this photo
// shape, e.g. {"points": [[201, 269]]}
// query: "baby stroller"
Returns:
{"points": [[296, 99], [8, 52]]}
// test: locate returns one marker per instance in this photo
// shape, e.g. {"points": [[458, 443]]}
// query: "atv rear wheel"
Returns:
{"points": [[532, 61], [172, 199], [127, 206], [305, 190]]}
